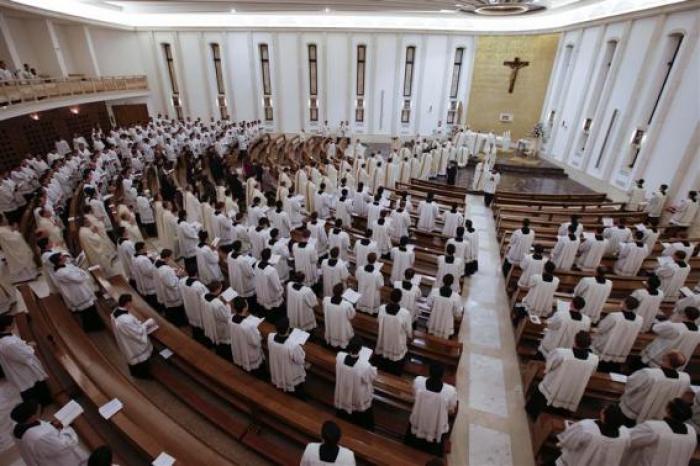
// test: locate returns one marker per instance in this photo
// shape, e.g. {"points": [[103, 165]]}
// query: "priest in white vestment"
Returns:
{"points": [[21, 365], [428, 214], [132, 339], [395, 331], [648, 390], [445, 308], [337, 318], [650, 298], [589, 442], [563, 326], [564, 252], [591, 252], [434, 401], [540, 292], [246, 340], [354, 385], [631, 256], [287, 359], [596, 291], [17, 254], [402, 257], [333, 271], [328, 452], [98, 249], [673, 274], [668, 442], [369, 284], [306, 259], [269, 291], [301, 301], [617, 333], [679, 333], [567, 372]]}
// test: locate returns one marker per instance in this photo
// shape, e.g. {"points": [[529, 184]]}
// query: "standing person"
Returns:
{"points": [[410, 292], [145, 214], [680, 332], [369, 284], [636, 196], [434, 401], [519, 245], [395, 330], [333, 271], [132, 338], [595, 442], [240, 272], [287, 359], [656, 204], [448, 264], [596, 291], [402, 257], [540, 292], [18, 254], [428, 214], [616, 335], [144, 274], [43, 443], [493, 178], [21, 366], [532, 264], [648, 391], [306, 259], [650, 298], [566, 375], [667, 442], [187, 235], [445, 307], [453, 219], [381, 234], [246, 340], [216, 315], [354, 386], [207, 260], [631, 256], [193, 291], [563, 326], [328, 452], [564, 252], [126, 251], [75, 288], [673, 274], [167, 281], [591, 251], [269, 291], [363, 248], [471, 256], [301, 301], [617, 235], [337, 317], [684, 211]]}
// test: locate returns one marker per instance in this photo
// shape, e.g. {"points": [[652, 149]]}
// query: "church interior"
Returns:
{"points": [[340, 232]]}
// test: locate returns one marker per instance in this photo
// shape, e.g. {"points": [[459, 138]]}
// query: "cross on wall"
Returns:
{"points": [[514, 66]]}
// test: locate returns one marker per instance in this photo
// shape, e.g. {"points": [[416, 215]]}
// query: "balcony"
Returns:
{"points": [[23, 96]]}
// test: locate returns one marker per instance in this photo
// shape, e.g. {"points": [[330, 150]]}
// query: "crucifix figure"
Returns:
{"points": [[515, 66]]}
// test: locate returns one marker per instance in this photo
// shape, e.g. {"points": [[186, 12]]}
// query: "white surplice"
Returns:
{"points": [[369, 285], [246, 343], [301, 301], [616, 336], [595, 294], [630, 259], [333, 274], [394, 332], [286, 363], [653, 443], [566, 378], [648, 391], [430, 414], [444, 309], [561, 331], [337, 322], [519, 245], [354, 387]]}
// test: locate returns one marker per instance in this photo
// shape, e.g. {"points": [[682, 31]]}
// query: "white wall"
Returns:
{"points": [[669, 151]]}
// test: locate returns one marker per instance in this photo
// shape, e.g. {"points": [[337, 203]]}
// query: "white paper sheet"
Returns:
{"points": [[229, 295], [365, 353], [615, 377], [352, 296], [608, 222], [67, 414], [535, 319], [299, 336], [166, 353], [685, 291], [163, 460], [151, 326], [110, 408], [417, 279], [562, 305]]}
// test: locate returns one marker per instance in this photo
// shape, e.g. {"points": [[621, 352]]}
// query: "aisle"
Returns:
{"points": [[491, 428]]}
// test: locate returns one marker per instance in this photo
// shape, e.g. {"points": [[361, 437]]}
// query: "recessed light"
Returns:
{"points": [[326, 10], [233, 10]]}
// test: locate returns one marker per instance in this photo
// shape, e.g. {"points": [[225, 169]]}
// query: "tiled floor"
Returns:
{"points": [[491, 428]]}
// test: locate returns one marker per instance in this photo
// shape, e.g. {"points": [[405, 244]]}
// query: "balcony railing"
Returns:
{"points": [[23, 91]]}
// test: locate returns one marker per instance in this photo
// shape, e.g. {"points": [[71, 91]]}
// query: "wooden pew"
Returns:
{"points": [[144, 424], [286, 414]]}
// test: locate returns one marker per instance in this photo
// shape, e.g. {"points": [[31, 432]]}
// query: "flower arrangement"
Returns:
{"points": [[538, 131]]}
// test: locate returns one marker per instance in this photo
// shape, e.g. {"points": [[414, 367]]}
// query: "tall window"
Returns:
{"points": [[408, 84], [266, 84], [673, 46], [360, 83], [221, 91], [454, 86], [170, 64], [313, 83]]}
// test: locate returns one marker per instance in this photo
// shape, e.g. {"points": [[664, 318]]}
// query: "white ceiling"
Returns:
{"points": [[267, 6], [377, 15]]}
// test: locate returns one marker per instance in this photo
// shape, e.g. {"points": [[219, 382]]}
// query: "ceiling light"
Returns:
{"points": [[326, 10], [233, 10], [75, 110], [34, 116]]}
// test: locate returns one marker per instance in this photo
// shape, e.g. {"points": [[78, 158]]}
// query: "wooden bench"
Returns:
{"points": [[268, 406]]}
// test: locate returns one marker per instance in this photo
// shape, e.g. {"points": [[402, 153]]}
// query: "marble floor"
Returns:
{"points": [[491, 428]]}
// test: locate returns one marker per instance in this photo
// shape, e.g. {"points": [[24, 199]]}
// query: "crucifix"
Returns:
{"points": [[515, 66]]}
